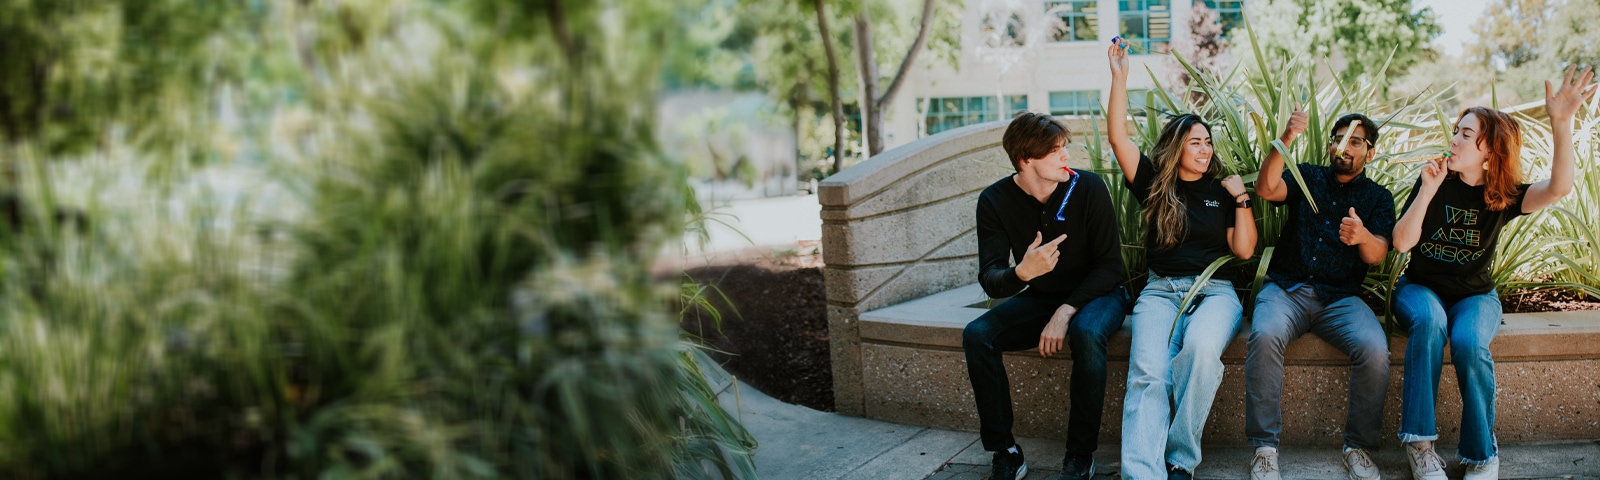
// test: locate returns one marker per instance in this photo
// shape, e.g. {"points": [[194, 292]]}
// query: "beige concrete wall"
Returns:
{"points": [[913, 371]]}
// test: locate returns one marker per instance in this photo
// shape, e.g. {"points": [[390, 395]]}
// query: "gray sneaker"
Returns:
{"points": [[1486, 471], [1359, 465], [1265, 465], [1425, 463]]}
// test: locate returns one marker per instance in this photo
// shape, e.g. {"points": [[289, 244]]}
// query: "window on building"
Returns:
{"points": [[1079, 19], [1138, 99], [1079, 102], [1229, 12], [951, 112], [1011, 36], [1147, 24]]}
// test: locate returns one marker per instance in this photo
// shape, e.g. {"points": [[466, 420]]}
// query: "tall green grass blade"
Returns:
{"points": [[1199, 283]]}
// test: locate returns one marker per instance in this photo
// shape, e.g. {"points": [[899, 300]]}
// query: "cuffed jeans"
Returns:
{"points": [[1469, 324], [1016, 325], [1350, 326], [1174, 369]]}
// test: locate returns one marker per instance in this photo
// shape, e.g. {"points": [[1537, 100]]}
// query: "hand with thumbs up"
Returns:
{"points": [[1295, 127], [1352, 231], [1040, 259]]}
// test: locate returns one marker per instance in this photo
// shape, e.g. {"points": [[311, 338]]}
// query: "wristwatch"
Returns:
{"points": [[1242, 203]]}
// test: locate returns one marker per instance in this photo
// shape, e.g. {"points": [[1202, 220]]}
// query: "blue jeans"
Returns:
{"points": [[1350, 326], [1016, 324], [1173, 373], [1469, 324]]}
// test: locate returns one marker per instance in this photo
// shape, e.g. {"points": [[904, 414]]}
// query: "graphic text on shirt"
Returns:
{"points": [[1468, 239]]}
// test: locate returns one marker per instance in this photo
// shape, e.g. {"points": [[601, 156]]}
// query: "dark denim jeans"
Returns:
{"points": [[1350, 326], [1469, 324], [1016, 324]]}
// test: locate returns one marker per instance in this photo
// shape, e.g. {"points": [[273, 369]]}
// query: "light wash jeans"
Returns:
{"points": [[1170, 366], [1469, 324]]}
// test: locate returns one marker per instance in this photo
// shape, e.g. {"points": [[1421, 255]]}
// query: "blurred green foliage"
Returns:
{"points": [[422, 252]]}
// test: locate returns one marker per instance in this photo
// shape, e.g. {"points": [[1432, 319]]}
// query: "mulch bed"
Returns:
{"points": [[774, 336]]}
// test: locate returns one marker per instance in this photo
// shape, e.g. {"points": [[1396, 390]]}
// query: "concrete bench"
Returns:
{"points": [[1547, 368], [900, 248]]}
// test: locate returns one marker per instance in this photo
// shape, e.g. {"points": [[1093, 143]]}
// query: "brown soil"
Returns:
{"points": [[774, 336], [1547, 300]]}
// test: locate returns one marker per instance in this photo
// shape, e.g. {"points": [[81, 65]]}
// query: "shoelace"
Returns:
{"points": [[1361, 457], [1264, 464], [1431, 461]]}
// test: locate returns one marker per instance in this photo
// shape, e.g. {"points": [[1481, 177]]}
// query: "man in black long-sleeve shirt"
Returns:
{"points": [[1059, 225]]}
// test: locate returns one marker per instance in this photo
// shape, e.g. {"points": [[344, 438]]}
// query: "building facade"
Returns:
{"points": [[1041, 56]]}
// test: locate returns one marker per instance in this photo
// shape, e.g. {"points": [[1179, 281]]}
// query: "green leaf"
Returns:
{"points": [[1199, 283]]}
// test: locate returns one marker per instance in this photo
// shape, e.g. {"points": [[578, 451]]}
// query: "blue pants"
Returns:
{"points": [[1174, 369], [1469, 324], [1350, 326], [1016, 325]]}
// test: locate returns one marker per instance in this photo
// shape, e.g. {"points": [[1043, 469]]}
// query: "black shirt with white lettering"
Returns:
{"points": [[1459, 234], [1090, 264], [1210, 213]]}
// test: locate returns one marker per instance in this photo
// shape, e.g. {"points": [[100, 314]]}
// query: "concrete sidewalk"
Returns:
{"points": [[800, 443]]}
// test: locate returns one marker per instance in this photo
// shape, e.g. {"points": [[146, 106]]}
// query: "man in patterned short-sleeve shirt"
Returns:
{"points": [[1317, 269]]}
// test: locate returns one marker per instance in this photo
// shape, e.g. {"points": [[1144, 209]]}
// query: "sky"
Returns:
{"points": [[1456, 16]]}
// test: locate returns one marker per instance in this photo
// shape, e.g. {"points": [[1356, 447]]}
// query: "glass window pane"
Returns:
{"points": [[1083, 29], [1133, 27]]}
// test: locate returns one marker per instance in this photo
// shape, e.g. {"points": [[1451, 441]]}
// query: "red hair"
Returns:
{"points": [[1502, 174]]}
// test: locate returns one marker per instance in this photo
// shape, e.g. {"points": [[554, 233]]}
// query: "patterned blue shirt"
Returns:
{"points": [[1309, 251]]}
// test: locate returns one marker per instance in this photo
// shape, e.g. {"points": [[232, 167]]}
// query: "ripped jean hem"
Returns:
{"points": [[1413, 438]]}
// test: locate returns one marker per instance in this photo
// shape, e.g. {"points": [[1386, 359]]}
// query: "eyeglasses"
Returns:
{"points": [[1338, 139]]}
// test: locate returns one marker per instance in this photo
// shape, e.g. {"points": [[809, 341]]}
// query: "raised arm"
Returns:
{"points": [[1122, 146], [1561, 104], [1269, 183], [1242, 235], [1408, 231]]}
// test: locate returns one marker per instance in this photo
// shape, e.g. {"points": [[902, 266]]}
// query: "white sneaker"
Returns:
{"points": [[1425, 463], [1489, 470], [1265, 465], [1359, 466]]}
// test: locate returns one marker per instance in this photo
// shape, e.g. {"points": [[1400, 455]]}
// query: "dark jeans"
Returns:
{"points": [[1348, 325], [1016, 325]]}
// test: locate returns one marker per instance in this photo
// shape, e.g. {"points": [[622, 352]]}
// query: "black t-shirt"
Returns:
{"points": [[1210, 213], [1090, 264], [1459, 234]]}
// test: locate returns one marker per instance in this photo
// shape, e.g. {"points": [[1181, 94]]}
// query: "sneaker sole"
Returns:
{"points": [[1022, 471]]}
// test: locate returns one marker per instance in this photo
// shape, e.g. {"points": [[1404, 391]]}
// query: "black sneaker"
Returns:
{"points": [[1076, 468], [1008, 466], [1178, 474]]}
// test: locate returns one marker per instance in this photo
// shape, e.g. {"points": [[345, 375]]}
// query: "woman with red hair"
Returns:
{"points": [[1451, 224]]}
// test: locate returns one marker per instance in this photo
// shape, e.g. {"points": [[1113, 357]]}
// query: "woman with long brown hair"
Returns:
{"points": [[1451, 225], [1192, 217]]}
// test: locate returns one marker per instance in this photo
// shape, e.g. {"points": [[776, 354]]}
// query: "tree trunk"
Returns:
{"points": [[872, 113], [867, 65], [833, 87]]}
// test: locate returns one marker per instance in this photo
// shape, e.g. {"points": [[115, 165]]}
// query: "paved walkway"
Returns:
{"points": [[800, 443]]}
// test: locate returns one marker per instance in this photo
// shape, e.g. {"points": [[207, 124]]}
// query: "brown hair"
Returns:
{"points": [[1503, 175], [1032, 136], [1164, 210]]}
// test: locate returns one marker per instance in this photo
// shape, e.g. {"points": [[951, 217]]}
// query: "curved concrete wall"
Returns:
{"points": [[899, 226]]}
